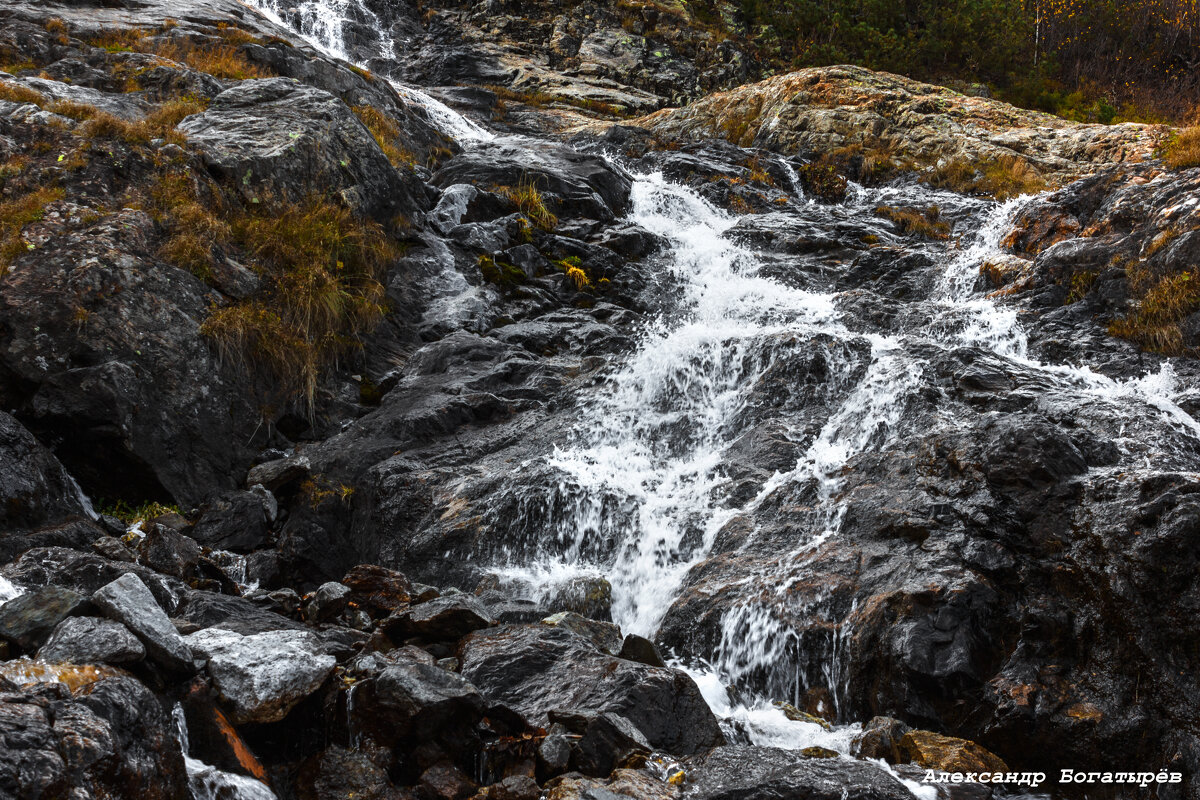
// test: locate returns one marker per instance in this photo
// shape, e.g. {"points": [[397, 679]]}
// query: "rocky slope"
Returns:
{"points": [[435, 428]]}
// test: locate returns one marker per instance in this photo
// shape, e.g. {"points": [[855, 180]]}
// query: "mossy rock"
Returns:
{"points": [[935, 751]]}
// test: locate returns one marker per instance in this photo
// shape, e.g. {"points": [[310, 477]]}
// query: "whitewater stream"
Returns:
{"points": [[642, 490]]}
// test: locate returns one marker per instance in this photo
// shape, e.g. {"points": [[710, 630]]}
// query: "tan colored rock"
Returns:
{"points": [[911, 124], [935, 751]]}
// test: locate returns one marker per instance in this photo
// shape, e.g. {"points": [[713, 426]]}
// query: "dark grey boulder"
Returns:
{"points": [[34, 486], [234, 521], [450, 617], [411, 700], [169, 552], [609, 741], [327, 601], [128, 601], [91, 640], [536, 669], [27, 620], [277, 138]]}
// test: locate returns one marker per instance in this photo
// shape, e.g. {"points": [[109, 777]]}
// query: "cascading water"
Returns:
{"points": [[640, 493], [209, 783]]}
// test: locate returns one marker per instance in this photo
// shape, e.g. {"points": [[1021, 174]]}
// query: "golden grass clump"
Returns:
{"points": [[386, 133], [158, 124], [1165, 301], [1183, 150], [529, 201], [15, 93], [925, 222], [321, 268], [193, 228], [15, 214], [1002, 178], [221, 59]]}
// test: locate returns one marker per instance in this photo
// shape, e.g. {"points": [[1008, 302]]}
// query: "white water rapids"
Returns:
{"points": [[644, 467]]}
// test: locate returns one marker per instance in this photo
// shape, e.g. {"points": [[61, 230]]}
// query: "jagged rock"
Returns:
{"points": [[642, 650], [128, 601], [91, 640], [447, 782], [609, 741], [450, 617], [743, 772], [263, 675], [28, 619], [340, 773], [169, 552], [573, 184], [536, 669], [34, 487], [279, 138], [113, 549], [946, 753], [604, 635], [588, 596], [327, 602], [380, 590], [235, 521], [880, 738]]}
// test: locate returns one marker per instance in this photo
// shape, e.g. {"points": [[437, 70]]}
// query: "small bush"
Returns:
{"points": [[925, 222], [1184, 149], [1163, 302], [529, 201], [1001, 178], [822, 181]]}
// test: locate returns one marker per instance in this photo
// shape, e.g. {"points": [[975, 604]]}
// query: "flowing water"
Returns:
{"points": [[640, 491]]}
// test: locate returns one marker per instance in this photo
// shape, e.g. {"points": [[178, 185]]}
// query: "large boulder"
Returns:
{"points": [[536, 669], [27, 620], [128, 601], [449, 617], [91, 640], [276, 138], [262, 676], [34, 486]]}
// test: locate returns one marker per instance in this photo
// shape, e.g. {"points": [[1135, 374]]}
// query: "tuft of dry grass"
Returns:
{"points": [[194, 229], [925, 222], [529, 201], [1164, 301], [1002, 178], [221, 59], [1183, 150], [15, 214], [321, 268], [15, 93], [386, 133], [159, 124]]}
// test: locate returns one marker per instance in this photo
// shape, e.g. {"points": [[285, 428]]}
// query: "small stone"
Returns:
{"points": [[327, 602]]}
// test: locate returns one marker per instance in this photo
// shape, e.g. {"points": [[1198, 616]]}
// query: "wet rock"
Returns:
{"points": [[554, 752], [91, 640], [278, 138], [29, 619], [262, 676], [880, 738], [604, 635], [169, 552], [113, 549], [449, 617], [411, 700], [609, 741], [623, 783], [327, 602], [235, 521], [514, 787], [380, 590], [537, 669], [340, 773], [447, 782], [588, 596], [743, 772], [573, 184], [946, 753], [128, 601], [642, 650], [34, 486]]}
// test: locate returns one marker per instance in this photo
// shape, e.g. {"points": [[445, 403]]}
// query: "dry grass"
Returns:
{"points": [[1184, 149], [15, 93], [321, 268], [386, 133], [926, 222], [15, 214], [194, 229], [1001, 178], [543, 99], [221, 59], [1164, 302], [159, 124], [529, 201]]}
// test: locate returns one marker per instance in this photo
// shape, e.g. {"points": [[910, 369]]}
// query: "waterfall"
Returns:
{"points": [[209, 783]]}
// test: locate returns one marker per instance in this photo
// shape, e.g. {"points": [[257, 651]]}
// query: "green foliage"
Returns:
{"points": [[130, 514]]}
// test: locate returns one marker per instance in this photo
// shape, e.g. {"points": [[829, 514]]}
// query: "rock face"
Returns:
{"points": [[826, 109], [262, 676], [743, 773], [128, 601], [537, 669], [278, 138], [34, 487]]}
